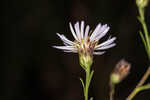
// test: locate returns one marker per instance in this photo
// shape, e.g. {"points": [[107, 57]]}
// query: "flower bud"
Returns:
{"points": [[120, 72], [85, 61], [141, 3]]}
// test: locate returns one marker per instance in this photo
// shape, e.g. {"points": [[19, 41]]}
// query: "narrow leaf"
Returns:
{"points": [[91, 75], [82, 84], [143, 40]]}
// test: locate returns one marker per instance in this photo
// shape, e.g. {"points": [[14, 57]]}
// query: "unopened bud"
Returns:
{"points": [[121, 70], [141, 3]]}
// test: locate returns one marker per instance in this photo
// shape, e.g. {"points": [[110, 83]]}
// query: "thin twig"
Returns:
{"points": [[141, 82], [138, 89]]}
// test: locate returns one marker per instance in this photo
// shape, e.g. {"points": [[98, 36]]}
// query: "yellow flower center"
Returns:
{"points": [[85, 47]]}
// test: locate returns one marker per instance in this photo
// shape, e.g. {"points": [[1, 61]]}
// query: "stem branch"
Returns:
{"points": [[138, 89], [139, 85]]}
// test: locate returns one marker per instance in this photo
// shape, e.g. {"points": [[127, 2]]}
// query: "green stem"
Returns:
{"points": [[87, 82], [146, 41], [112, 91], [144, 78], [89, 75], [141, 82], [142, 21], [139, 89]]}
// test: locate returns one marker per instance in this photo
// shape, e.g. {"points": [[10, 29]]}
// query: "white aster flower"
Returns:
{"points": [[86, 42]]}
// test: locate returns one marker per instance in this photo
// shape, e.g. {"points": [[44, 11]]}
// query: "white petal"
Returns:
{"points": [[72, 31], [82, 29], [76, 26], [86, 32], [98, 53], [108, 42], [95, 32], [66, 44], [106, 47], [70, 51], [103, 33], [65, 40], [65, 47]]}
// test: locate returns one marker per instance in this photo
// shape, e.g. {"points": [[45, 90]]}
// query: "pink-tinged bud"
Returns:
{"points": [[120, 71]]}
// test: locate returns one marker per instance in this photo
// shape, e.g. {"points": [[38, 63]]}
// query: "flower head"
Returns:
{"points": [[85, 43]]}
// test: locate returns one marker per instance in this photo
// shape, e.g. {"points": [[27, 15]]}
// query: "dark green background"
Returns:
{"points": [[32, 70]]}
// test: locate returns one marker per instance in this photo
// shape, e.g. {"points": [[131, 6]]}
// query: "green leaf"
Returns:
{"points": [[143, 39], [91, 75], [82, 84]]}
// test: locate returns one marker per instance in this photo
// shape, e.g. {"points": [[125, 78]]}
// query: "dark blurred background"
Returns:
{"points": [[32, 70]]}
